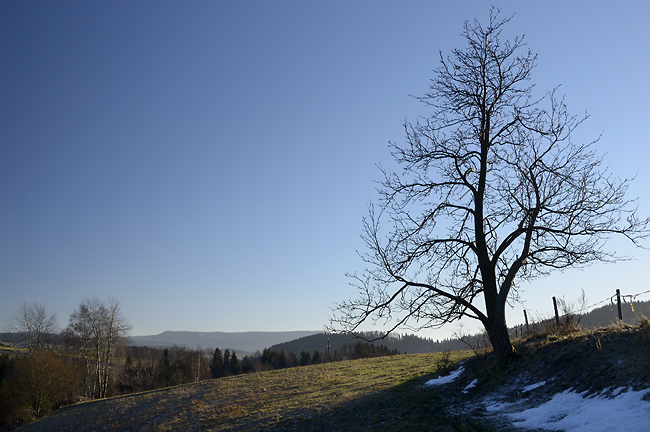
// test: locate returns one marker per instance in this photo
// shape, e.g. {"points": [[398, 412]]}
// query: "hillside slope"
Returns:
{"points": [[604, 366], [275, 400]]}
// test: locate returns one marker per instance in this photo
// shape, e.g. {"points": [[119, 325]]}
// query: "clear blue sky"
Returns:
{"points": [[208, 163]]}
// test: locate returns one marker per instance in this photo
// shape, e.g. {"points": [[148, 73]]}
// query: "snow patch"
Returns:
{"points": [[471, 385], [533, 386], [497, 406], [445, 379], [577, 412]]}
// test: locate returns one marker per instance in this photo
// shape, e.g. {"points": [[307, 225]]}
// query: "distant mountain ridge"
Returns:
{"points": [[240, 342]]}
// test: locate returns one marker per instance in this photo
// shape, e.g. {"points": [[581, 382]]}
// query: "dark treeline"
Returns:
{"points": [[274, 359], [152, 368]]}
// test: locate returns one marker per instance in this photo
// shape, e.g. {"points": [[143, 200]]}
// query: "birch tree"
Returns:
{"points": [[97, 327]]}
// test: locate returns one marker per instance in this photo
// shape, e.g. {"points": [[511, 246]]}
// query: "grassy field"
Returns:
{"points": [[381, 394], [4, 349], [374, 394]]}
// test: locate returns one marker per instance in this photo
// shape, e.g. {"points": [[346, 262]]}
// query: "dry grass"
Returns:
{"points": [[314, 397]]}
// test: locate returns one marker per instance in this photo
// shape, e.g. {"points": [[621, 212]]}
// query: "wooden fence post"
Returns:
{"points": [[618, 301], [526, 319], [557, 315]]}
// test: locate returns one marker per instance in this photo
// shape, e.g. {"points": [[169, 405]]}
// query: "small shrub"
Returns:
{"points": [[444, 362], [40, 382]]}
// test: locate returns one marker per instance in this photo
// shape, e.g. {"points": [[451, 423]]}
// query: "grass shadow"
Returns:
{"points": [[409, 406]]}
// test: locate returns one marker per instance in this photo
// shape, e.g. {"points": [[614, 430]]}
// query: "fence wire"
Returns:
{"points": [[632, 298]]}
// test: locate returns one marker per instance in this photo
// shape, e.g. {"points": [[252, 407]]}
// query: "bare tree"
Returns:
{"points": [[79, 336], [492, 191], [35, 324], [97, 327]]}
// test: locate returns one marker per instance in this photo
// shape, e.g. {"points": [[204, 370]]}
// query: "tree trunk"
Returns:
{"points": [[500, 340]]}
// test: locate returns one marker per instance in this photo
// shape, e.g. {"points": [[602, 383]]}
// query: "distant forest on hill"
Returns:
{"points": [[404, 344], [412, 344], [608, 315]]}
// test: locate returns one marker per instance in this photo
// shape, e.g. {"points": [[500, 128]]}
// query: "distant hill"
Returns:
{"points": [[409, 344], [608, 314], [242, 343]]}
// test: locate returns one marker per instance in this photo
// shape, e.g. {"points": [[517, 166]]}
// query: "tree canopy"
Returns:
{"points": [[492, 191]]}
